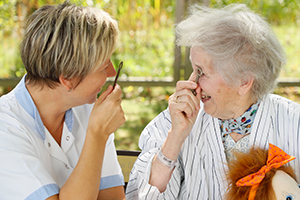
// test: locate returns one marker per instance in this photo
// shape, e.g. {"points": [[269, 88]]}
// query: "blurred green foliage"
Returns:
{"points": [[147, 37], [277, 12], [147, 48], [140, 105], [146, 42], [289, 37]]}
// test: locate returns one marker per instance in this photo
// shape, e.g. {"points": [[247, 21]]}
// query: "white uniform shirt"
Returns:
{"points": [[199, 173], [32, 164]]}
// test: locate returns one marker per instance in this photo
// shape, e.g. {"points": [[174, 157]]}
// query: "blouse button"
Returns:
{"points": [[49, 145], [67, 138], [67, 167]]}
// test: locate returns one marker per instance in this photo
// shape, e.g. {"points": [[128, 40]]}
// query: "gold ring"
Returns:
{"points": [[177, 99]]}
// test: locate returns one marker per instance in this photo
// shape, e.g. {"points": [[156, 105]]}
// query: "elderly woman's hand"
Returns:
{"points": [[184, 107], [107, 115]]}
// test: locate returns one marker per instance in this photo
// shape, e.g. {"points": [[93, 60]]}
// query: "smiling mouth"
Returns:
{"points": [[204, 97]]}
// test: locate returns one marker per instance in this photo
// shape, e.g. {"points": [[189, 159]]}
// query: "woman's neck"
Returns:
{"points": [[240, 107], [51, 106]]}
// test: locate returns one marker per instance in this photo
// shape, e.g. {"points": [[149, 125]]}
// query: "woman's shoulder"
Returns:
{"points": [[11, 111], [282, 105], [162, 118], [8, 100], [281, 101]]}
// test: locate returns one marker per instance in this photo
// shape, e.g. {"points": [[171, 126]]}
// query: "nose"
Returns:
{"points": [[110, 70]]}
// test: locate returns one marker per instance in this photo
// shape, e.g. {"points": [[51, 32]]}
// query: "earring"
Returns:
{"points": [[70, 90]]}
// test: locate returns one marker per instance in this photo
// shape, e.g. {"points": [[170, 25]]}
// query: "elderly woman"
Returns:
{"points": [[56, 137], [236, 59]]}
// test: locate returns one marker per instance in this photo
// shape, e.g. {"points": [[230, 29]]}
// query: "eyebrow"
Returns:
{"points": [[198, 66]]}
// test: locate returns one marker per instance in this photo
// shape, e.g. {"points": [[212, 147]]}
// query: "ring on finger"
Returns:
{"points": [[177, 99]]}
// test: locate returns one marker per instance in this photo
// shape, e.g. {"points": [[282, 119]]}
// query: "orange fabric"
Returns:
{"points": [[276, 158]]}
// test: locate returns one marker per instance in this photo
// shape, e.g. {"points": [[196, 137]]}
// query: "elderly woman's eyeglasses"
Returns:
{"points": [[199, 74]]}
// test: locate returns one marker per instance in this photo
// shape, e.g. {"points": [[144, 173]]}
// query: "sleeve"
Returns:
{"points": [[111, 171], [151, 139], [287, 129], [23, 175]]}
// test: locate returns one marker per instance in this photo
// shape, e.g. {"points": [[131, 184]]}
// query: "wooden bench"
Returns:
{"points": [[126, 160]]}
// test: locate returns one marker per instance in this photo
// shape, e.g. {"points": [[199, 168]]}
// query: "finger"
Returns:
{"points": [[116, 94], [184, 108], [104, 94], [193, 76], [188, 96], [184, 92], [119, 117], [189, 104], [182, 85]]}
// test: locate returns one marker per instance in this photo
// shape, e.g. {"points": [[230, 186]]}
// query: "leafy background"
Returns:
{"points": [[146, 46]]}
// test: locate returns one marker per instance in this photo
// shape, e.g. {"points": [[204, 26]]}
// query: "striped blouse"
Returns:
{"points": [[199, 173]]}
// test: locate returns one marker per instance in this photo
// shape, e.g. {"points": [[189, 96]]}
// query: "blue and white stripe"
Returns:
{"points": [[199, 173]]}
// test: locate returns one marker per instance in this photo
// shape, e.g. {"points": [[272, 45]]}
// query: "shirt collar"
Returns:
{"points": [[241, 125], [25, 100]]}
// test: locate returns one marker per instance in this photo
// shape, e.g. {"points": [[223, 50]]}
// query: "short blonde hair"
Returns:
{"points": [[66, 40], [240, 42]]}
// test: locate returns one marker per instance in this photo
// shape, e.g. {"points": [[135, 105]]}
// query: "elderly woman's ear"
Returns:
{"points": [[246, 84]]}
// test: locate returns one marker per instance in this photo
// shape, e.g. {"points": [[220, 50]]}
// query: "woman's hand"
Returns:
{"points": [[184, 108], [107, 115]]}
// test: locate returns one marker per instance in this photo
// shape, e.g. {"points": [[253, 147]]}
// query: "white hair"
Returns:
{"points": [[240, 42]]}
